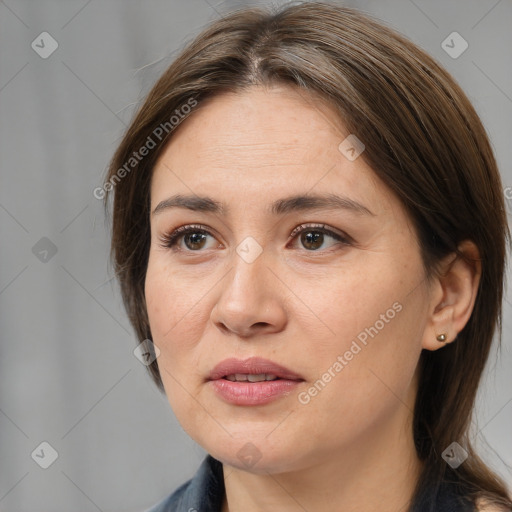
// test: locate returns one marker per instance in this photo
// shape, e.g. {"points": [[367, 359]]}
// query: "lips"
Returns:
{"points": [[252, 382], [252, 366]]}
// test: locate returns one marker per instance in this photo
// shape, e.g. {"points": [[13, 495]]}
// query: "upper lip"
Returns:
{"points": [[251, 366]]}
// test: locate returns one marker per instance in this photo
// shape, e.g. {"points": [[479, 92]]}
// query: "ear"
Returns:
{"points": [[453, 293]]}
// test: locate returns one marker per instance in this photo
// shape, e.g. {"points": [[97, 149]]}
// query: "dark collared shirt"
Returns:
{"points": [[205, 493]]}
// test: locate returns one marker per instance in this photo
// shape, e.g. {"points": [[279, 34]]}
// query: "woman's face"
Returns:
{"points": [[332, 291]]}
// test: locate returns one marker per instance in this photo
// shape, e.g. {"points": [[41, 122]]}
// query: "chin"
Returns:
{"points": [[255, 454]]}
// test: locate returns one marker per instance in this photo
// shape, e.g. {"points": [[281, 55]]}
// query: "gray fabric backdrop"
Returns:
{"points": [[68, 376]]}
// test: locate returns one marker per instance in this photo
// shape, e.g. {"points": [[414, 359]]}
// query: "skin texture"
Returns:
{"points": [[351, 444]]}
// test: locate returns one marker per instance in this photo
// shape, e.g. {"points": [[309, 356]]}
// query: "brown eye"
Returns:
{"points": [[187, 238], [194, 241], [312, 240]]}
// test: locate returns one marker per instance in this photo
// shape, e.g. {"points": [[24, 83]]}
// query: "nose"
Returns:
{"points": [[250, 301]]}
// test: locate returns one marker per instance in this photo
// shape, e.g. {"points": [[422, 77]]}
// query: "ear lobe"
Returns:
{"points": [[453, 294]]}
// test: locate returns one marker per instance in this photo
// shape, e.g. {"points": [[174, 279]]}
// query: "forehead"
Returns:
{"points": [[260, 141], [258, 120]]}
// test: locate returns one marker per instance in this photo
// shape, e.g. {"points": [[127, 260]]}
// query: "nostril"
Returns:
{"points": [[260, 324]]}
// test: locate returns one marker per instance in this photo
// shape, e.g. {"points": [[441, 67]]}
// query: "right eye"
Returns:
{"points": [[190, 238]]}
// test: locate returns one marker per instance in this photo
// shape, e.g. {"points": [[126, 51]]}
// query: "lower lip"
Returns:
{"points": [[253, 393]]}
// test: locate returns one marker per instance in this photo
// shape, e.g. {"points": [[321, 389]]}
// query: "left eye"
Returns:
{"points": [[313, 238]]}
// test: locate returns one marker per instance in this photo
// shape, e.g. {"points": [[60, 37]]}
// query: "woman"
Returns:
{"points": [[308, 223]]}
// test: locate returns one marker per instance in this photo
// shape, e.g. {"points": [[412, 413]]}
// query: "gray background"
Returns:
{"points": [[68, 375]]}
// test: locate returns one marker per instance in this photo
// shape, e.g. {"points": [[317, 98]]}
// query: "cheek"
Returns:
{"points": [[173, 311], [371, 327], [363, 302], [367, 371], [177, 313], [172, 300], [170, 307]]}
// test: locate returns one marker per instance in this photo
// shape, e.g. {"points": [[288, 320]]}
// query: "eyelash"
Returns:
{"points": [[169, 240]]}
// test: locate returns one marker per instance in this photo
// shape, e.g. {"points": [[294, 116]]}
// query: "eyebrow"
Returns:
{"points": [[280, 207]]}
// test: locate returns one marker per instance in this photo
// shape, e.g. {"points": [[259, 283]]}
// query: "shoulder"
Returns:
{"points": [[170, 503], [205, 491], [454, 496], [484, 505]]}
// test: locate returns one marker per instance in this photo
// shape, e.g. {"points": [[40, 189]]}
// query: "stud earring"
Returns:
{"points": [[441, 338]]}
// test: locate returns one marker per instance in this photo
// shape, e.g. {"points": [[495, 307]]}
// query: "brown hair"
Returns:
{"points": [[423, 139]]}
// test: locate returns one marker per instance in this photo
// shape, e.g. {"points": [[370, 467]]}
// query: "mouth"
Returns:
{"points": [[253, 381], [254, 369], [244, 377]]}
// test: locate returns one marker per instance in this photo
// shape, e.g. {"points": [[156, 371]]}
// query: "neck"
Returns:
{"points": [[379, 471]]}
